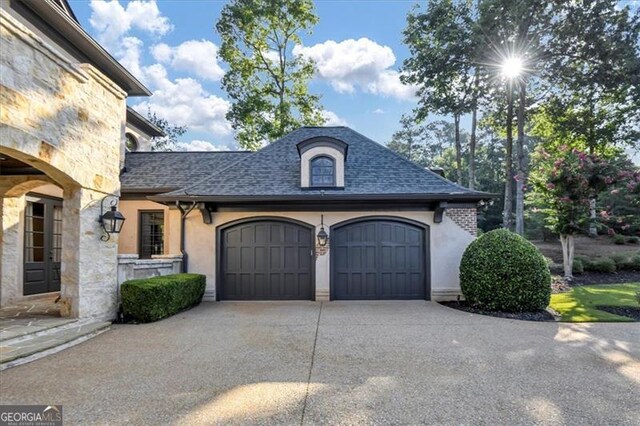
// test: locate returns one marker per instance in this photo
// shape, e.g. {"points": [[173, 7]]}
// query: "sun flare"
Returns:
{"points": [[512, 67]]}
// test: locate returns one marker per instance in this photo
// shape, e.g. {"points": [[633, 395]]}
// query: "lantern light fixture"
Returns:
{"points": [[110, 220], [323, 237]]}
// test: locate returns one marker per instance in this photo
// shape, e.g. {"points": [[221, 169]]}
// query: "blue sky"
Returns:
{"points": [[170, 45]]}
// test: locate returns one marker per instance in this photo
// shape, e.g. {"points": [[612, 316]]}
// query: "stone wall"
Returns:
{"points": [[130, 267], [67, 120], [466, 219]]}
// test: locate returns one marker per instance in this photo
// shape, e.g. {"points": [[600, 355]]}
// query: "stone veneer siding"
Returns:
{"points": [[466, 219], [67, 119]]}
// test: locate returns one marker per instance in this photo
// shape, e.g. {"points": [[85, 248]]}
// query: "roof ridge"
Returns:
{"points": [[414, 165]]}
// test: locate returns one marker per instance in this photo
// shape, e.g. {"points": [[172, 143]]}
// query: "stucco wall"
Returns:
{"points": [[128, 239], [448, 241], [305, 164]]}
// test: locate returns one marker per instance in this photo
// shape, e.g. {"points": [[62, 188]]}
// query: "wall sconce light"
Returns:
{"points": [[111, 220], [323, 237]]}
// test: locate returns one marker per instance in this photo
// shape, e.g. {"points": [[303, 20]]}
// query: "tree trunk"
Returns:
{"points": [[472, 140], [520, 160], [567, 255], [508, 185], [593, 230], [456, 121]]}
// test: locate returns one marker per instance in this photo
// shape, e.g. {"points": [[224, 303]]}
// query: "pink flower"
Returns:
{"points": [[604, 214], [611, 231], [615, 191], [550, 185]]}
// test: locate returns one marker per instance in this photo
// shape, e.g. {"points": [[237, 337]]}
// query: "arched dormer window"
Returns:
{"points": [[323, 171], [130, 142]]}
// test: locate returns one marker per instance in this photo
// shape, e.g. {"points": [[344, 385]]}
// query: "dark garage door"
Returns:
{"points": [[266, 260], [379, 259]]}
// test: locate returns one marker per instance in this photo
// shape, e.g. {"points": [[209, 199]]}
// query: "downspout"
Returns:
{"points": [[183, 217]]}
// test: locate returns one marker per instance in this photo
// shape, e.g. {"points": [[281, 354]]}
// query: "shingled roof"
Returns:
{"points": [[372, 171], [155, 172]]}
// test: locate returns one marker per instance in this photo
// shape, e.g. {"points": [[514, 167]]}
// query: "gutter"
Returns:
{"points": [[476, 196], [183, 216]]}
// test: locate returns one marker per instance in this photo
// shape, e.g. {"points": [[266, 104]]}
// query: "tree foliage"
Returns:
{"points": [[172, 132], [266, 82]]}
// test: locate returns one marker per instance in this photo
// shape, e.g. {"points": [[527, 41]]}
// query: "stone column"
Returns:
{"points": [[11, 250], [89, 265]]}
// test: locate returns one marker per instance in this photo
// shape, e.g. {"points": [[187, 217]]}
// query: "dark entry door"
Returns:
{"points": [[42, 245], [266, 260], [379, 259]]}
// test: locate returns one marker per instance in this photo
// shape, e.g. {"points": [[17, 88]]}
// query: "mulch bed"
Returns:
{"points": [[623, 311], [606, 278], [525, 316], [588, 278]]}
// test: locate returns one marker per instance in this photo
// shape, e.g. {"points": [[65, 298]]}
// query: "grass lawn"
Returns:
{"points": [[578, 305]]}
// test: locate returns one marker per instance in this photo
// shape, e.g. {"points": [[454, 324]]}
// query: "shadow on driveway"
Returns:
{"points": [[340, 362]]}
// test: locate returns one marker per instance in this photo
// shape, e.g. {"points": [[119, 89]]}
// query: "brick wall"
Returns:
{"points": [[466, 219]]}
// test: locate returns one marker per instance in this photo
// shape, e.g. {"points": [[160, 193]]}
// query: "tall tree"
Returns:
{"points": [[442, 43], [266, 83], [594, 58], [424, 144]]}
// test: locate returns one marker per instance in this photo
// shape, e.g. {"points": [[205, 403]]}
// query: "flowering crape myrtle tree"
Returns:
{"points": [[562, 186]]}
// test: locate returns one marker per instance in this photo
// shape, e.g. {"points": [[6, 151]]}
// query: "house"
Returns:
{"points": [[323, 213], [64, 129]]}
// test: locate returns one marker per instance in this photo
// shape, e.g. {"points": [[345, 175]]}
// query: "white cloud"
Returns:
{"points": [[113, 21], [332, 119], [357, 64], [200, 145], [185, 102], [197, 56], [378, 111]]}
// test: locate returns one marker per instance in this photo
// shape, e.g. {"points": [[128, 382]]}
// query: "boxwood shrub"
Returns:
{"points": [[151, 299], [604, 264], [578, 266], [502, 271]]}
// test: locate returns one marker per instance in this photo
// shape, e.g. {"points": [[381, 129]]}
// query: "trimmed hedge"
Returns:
{"points": [[502, 271], [603, 264], [152, 299]]}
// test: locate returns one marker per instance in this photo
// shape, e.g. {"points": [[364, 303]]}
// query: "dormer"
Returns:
{"points": [[322, 162]]}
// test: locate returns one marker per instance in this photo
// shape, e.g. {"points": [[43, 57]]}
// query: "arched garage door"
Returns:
{"points": [[267, 259], [379, 258]]}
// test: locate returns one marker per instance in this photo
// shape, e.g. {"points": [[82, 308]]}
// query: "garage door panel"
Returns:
{"points": [[266, 260], [385, 259]]}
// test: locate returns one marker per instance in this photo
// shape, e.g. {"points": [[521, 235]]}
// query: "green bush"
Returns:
{"points": [[578, 266], [618, 239], [151, 299], [633, 240], [604, 264], [502, 271], [632, 263], [619, 259]]}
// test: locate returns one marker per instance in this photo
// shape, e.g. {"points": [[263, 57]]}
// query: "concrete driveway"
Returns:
{"points": [[337, 362]]}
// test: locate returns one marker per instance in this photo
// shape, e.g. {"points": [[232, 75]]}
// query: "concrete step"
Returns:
{"points": [[13, 331], [23, 349]]}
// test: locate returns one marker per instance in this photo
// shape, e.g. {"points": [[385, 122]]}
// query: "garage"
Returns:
{"points": [[379, 258], [267, 259]]}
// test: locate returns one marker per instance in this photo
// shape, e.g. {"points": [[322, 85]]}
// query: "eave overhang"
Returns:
{"points": [[78, 37], [471, 197], [137, 120]]}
